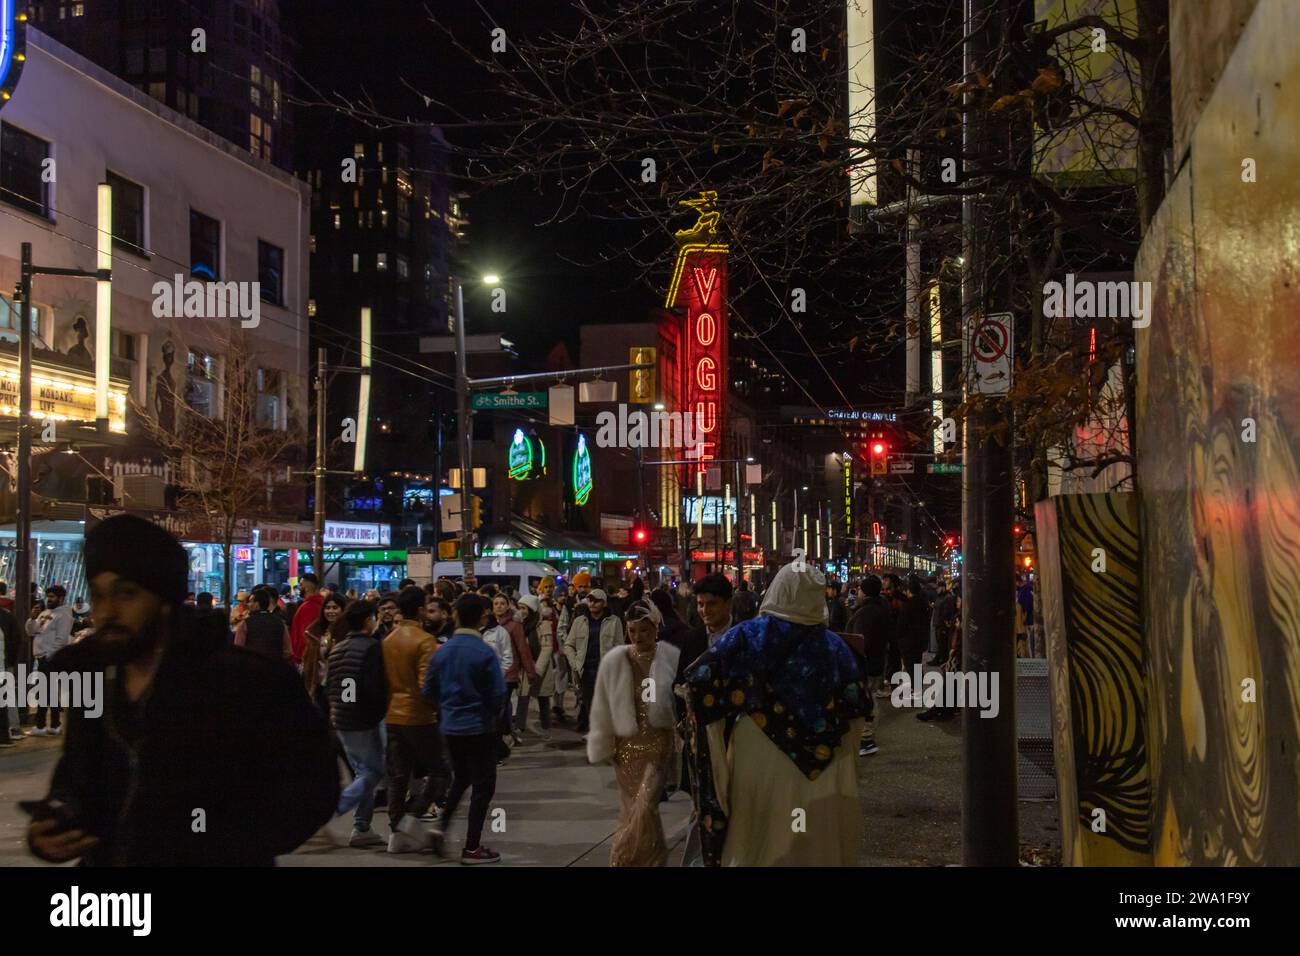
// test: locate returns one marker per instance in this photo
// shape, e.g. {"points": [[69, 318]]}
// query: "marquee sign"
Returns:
{"points": [[13, 47], [699, 286], [581, 472], [59, 395], [527, 457]]}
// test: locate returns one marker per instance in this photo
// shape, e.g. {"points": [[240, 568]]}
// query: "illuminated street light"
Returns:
{"points": [[491, 280]]}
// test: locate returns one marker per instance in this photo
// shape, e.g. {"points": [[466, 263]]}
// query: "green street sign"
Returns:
{"points": [[943, 468], [495, 400]]}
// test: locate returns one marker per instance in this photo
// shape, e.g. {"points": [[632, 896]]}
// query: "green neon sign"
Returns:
{"points": [[527, 457], [581, 472]]}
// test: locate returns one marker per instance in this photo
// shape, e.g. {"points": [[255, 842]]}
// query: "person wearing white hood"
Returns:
{"points": [[632, 721], [773, 711]]}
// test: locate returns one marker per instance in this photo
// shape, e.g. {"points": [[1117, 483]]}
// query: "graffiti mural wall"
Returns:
{"points": [[1219, 467]]}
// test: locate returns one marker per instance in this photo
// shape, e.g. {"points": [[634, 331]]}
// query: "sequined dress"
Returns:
{"points": [[641, 767]]}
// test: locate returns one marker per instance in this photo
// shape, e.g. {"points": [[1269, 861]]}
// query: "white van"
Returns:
{"points": [[523, 576]]}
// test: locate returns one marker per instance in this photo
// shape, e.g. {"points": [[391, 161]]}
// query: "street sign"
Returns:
{"points": [[494, 400], [989, 354], [943, 468], [902, 467]]}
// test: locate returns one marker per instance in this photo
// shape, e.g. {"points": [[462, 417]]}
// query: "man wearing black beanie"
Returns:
{"points": [[204, 755]]}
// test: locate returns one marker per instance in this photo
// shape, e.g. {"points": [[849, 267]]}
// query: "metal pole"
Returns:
{"points": [[464, 428], [23, 529], [989, 815], [913, 277], [318, 517], [735, 530], [643, 550]]}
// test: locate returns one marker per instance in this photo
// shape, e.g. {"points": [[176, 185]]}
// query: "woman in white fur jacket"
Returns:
{"points": [[632, 721]]}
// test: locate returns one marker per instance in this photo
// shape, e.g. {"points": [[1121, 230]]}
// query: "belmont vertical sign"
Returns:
{"points": [[13, 47], [699, 287]]}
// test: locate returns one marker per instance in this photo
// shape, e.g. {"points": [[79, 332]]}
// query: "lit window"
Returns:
{"points": [[356, 262], [381, 262], [311, 308], [312, 240], [78, 9], [403, 268], [379, 151], [338, 221], [359, 151]]}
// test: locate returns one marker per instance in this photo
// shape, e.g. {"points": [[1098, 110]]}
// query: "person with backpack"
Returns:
{"points": [[358, 699]]}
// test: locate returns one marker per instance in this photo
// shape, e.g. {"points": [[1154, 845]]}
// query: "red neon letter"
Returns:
{"points": [[706, 329], [704, 374]]}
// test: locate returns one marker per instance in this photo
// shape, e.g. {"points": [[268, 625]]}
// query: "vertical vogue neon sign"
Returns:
{"points": [[704, 365]]}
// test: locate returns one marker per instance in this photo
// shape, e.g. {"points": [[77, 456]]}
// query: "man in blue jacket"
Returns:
{"points": [[464, 682]]}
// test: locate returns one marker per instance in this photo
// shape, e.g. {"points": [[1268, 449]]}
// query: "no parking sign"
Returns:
{"points": [[990, 349]]}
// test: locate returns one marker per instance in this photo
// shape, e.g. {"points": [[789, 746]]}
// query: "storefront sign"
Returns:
{"points": [[192, 528], [557, 554], [283, 537], [59, 394], [527, 457], [347, 532], [581, 472], [368, 555]]}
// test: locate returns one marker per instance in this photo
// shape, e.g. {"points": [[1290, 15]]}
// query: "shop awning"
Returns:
{"points": [[529, 541]]}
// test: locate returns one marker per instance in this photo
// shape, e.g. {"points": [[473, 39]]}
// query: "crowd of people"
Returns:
{"points": [[748, 700]]}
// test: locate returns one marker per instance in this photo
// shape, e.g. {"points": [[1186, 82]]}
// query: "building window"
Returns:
{"points": [[383, 218], [403, 267], [311, 308], [268, 398], [128, 214], [133, 61], [158, 91], [124, 345], [270, 272], [78, 9], [22, 158], [205, 246], [338, 221], [356, 262], [381, 262], [200, 384], [312, 242], [359, 151]]}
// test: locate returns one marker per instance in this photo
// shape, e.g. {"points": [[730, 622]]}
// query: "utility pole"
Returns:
{"points": [[23, 528], [318, 515], [464, 428], [989, 815]]}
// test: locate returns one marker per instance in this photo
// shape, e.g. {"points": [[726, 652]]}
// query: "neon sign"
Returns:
{"points": [[581, 472], [13, 47], [699, 285], [527, 456]]}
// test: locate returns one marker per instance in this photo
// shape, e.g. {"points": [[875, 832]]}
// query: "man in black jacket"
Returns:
{"points": [[874, 621], [358, 695], [204, 755]]}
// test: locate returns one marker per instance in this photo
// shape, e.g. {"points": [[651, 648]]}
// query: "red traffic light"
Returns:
{"points": [[641, 535], [878, 448], [950, 541]]}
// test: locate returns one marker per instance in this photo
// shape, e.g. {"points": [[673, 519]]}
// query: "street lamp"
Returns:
{"points": [[491, 279]]}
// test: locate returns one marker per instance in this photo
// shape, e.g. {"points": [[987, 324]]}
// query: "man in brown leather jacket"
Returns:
{"points": [[415, 750]]}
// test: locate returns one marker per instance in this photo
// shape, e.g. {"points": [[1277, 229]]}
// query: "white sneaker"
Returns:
{"points": [[361, 838], [409, 837], [38, 732]]}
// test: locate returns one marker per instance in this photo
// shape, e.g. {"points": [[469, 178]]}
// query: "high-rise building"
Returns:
{"points": [[222, 63]]}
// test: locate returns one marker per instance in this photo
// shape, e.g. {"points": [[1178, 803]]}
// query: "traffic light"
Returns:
{"points": [[640, 535], [475, 512], [950, 541], [878, 449]]}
